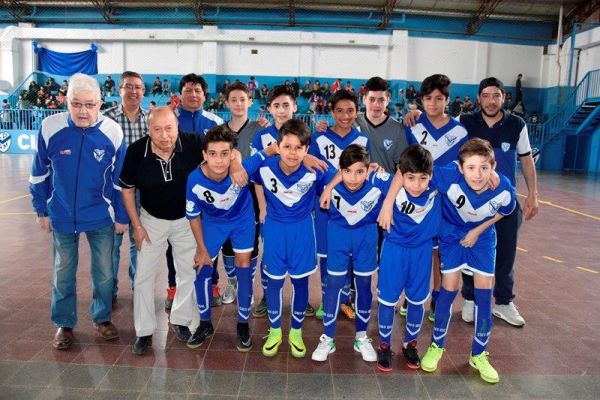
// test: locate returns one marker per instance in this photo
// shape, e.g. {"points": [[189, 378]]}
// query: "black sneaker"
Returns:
{"points": [[384, 357], [141, 344], [244, 341], [261, 308], [182, 333], [412, 355], [204, 331]]}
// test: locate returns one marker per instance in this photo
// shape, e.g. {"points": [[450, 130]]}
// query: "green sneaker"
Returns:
{"points": [[482, 364], [271, 346], [430, 360], [296, 343], [403, 309], [431, 316], [320, 313]]}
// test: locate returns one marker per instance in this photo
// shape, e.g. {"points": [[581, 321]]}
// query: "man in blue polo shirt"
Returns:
{"points": [[508, 136]]}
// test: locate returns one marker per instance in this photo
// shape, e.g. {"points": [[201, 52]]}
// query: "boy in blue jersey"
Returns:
{"points": [[468, 243], [219, 210], [328, 146], [282, 106], [288, 231], [352, 240], [406, 253], [442, 136]]}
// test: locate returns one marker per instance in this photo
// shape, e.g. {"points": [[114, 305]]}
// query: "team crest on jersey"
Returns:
{"points": [[494, 206], [367, 205], [505, 146], [99, 154], [303, 187], [5, 140], [450, 139], [235, 189], [189, 206], [387, 143], [384, 176]]}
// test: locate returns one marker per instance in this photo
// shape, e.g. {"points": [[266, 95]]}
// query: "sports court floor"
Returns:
{"points": [[555, 356]]}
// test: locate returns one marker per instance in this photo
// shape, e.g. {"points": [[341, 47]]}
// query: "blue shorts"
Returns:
{"points": [[351, 246], [480, 258], [404, 268], [241, 232], [289, 248], [321, 220]]}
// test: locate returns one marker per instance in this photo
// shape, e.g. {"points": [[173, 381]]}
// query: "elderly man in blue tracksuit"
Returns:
{"points": [[74, 186]]}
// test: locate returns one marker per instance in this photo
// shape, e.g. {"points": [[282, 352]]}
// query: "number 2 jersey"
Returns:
{"points": [[220, 201], [290, 198], [464, 209], [442, 143], [328, 145]]}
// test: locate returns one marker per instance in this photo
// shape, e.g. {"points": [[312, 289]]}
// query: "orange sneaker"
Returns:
{"points": [[348, 311], [170, 297], [217, 299]]}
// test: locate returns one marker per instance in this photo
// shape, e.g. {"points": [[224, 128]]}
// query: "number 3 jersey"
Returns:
{"points": [[416, 219], [220, 201], [464, 209], [328, 145], [290, 198], [356, 209], [442, 143]]}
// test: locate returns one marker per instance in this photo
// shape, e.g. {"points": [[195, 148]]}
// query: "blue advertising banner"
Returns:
{"points": [[18, 141]]}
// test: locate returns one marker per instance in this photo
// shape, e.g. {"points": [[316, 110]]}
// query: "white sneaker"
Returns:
{"points": [[468, 310], [326, 346], [230, 292], [365, 348], [509, 313]]}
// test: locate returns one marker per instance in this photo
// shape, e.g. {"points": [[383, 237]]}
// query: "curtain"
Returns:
{"points": [[67, 64]]}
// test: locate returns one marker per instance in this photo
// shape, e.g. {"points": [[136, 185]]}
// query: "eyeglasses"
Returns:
{"points": [[129, 86], [78, 106]]}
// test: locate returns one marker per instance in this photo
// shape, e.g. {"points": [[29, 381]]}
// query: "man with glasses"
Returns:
{"points": [[74, 189], [133, 121]]}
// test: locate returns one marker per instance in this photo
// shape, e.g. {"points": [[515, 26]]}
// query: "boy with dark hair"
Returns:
{"points": [[352, 241], [227, 214], [328, 146], [406, 252], [281, 103], [288, 231]]}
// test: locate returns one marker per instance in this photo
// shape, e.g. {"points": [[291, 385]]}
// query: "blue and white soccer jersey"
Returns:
{"points": [[352, 229], [288, 231], [463, 209], [263, 139], [328, 146], [227, 210], [443, 143], [406, 251]]}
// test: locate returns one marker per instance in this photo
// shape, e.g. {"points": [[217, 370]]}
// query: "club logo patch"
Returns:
{"points": [[99, 154], [367, 205], [505, 146], [5, 140], [189, 206], [494, 206], [450, 139], [304, 187], [387, 143], [535, 154], [235, 189]]}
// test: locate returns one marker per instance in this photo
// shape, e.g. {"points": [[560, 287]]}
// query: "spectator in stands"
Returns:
{"points": [[320, 105], [337, 85], [252, 87], [5, 116], [296, 87], [226, 85], [156, 86], [69, 177], [534, 118], [50, 85], [455, 107], [307, 89], [312, 103], [212, 105], [316, 86], [467, 105], [152, 105], [411, 94], [109, 86], [264, 93], [507, 101], [174, 101], [361, 91], [166, 87], [349, 87], [519, 94], [64, 87]]}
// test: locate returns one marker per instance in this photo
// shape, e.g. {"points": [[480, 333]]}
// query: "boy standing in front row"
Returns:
{"points": [[227, 214], [288, 231]]}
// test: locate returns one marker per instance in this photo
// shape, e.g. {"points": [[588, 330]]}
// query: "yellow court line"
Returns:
{"points": [[522, 249], [551, 204], [556, 260], [593, 271], [14, 198], [2, 214]]}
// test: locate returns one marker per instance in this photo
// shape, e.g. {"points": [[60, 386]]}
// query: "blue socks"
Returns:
{"points": [[299, 301], [274, 293], [362, 301], [203, 285], [244, 294], [483, 320], [229, 263], [323, 271], [443, 312], [386, 322], [414, 321], [332, 302]]}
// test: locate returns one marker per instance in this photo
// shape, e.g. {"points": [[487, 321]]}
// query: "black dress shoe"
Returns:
{"points": [[182, 333], [141, 344], [63, 338]]}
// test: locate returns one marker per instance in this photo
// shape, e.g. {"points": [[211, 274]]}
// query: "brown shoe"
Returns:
{"points": [[63, 338], [107, 330]]}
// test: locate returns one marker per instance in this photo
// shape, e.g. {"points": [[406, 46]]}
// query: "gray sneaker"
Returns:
{"points": [[230, 292], [261, 309], [467, 311], [509, 313]]}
